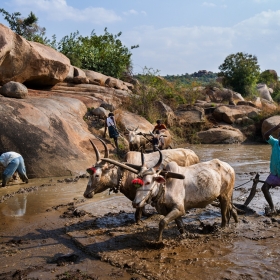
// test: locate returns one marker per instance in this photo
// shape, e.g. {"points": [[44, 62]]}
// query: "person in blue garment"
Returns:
{"points": [[12, 162]]}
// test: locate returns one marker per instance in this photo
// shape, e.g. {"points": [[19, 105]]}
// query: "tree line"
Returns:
{"points": [[106, 54]]}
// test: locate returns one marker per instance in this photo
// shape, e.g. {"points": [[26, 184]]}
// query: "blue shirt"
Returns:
{"points": [[275, 156]]}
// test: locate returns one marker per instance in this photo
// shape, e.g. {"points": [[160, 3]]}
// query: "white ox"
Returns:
{"points": [[110, 174], [160, 141], [185, 188], [136, 141]]}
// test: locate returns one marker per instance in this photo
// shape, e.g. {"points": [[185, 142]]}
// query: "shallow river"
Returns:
{"points": [[243, 158]]}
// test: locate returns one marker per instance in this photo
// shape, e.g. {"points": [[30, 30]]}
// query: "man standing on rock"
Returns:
{"points": [[112, 128], [273, 179], [12, 162]]}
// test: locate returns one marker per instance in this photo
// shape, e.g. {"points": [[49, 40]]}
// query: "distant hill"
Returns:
{"points": [[202, 76]]}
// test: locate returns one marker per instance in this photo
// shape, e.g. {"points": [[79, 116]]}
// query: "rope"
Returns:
{"points": [[242, 184]]}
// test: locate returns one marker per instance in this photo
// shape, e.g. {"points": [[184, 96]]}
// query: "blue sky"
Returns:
{"points": [[175, 37]]}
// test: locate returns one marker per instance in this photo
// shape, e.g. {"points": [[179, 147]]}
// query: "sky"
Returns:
{"points": [[175, 37]]}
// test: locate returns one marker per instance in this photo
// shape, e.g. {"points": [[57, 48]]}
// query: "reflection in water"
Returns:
{"points": [[15, 207]]}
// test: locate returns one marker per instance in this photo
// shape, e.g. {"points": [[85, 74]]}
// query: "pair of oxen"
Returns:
{"points": [[139, 140], [172, 181]]}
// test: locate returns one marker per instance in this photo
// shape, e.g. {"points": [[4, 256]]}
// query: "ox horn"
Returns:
{"points": [[137, 167], [159, 161], [120, 165], [168, 174], [105, 147], [96, 151]]}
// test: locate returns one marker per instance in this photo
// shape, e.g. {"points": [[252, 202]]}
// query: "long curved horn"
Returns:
{"points": [[137, 167], [136, 128], [97, 154], [169, 174], [159, 161], [120, 165], [105, 147], [142, 158]]}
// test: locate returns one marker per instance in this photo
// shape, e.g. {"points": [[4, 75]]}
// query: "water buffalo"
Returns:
{"points": [[136, 141], [110, 174], [184, 188]]}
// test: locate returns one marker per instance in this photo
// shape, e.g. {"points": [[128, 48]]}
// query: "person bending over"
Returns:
{"points": [[12, 162]]}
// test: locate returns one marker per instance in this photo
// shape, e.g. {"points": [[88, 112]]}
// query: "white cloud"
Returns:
{"points": [[133, 12], [208, 4], [58, 10], [177, 50], [130, 12]]}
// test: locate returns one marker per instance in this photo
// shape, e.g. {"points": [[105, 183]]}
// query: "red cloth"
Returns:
{"points": [[137, 183]]}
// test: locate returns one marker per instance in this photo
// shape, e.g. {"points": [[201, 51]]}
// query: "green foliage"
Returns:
{"points": [[276, 93], [268, 78], [241, 72], [151, 89], [26, 27], [105, 53], [187, 79]]}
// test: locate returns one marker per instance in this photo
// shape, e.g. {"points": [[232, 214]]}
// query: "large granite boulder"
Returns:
{"points": [[188, 114], [230, 114], [130, 120], [222, 95], [221, 135], [264, 92], [49, 132], [29, 62], [270, 123], [14, 90]]}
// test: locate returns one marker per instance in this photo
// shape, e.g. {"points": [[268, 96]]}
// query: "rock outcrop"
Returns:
{"points": [[269, 123], [29, 62], [221, 135], [49, 132], [230, 114], [14, 90]]}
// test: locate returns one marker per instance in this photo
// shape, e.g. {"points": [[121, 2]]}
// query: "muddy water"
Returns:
{"points": [[245, 251]]}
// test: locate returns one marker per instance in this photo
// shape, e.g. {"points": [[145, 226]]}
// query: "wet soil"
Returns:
{"points": [[49, 231]]}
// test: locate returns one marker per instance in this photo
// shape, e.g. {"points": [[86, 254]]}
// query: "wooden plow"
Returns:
{"points": [[256, 180]]}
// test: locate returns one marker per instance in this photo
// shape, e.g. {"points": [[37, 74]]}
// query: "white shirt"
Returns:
{"points": [[110, 122], [6, 158]]}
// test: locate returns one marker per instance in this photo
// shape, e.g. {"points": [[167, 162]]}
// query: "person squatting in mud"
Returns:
{"points": [[273, 179], [12, 162]]}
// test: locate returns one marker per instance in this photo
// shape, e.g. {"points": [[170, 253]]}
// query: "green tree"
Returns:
{"points": [[105, 53], [26, 27], [241, 72], [269, 77]]}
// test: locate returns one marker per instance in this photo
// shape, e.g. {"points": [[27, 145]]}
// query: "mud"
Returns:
{"points": [[60, 235]]}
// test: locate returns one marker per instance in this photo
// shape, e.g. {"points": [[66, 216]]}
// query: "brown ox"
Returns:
{"points": [[185, 188], [110, 174]]}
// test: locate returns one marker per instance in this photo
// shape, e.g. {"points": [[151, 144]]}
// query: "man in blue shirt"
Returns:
{"points": [[273, 179]]}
